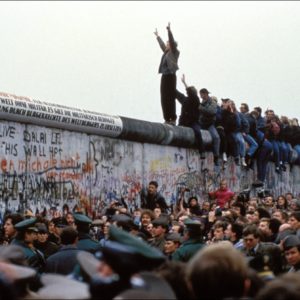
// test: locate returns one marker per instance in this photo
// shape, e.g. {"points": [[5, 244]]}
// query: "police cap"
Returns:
{"points": [[82, 219], [26, 225]]}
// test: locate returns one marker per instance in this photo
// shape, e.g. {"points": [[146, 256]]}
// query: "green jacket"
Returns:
{"points": [[187, 250]]}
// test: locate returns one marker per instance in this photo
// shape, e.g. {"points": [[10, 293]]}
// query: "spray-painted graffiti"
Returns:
{"points": [[44, 167]]}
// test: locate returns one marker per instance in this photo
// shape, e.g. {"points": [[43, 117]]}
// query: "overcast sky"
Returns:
{"points": [[103, 56]]}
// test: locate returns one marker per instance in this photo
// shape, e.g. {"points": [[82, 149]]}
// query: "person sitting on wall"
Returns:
{"points": [[152, 198], [189, 116]]}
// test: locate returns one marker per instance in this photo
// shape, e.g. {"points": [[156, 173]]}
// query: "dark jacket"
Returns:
{"points": [[48, 248], [168, 63], [230, 121], [189, 108], [148, 202], [63, 261]]}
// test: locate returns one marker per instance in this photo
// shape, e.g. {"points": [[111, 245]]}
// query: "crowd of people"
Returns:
{"points": [[246, 135], [232, 246]]}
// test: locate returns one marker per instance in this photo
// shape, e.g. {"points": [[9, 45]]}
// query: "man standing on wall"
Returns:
{"points": [[168, 67]]}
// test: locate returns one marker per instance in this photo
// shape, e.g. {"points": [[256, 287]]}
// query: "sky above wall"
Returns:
{"points": [[103, 56]]}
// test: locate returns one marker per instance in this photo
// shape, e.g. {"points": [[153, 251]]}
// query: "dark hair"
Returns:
{"points": [[204, 91], [238, 230], [296, 215], [258, 109], [252, 229], [15, 218], [274, 225], [68, 235], [153, 182], [246, 106], [241, 206]]}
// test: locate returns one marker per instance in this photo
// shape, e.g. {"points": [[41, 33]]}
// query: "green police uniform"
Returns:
{"points": [[34, 257], [192, 245], [85, 241]]}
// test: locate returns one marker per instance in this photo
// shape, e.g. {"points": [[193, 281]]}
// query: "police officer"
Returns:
{"points": [[192, 241], [27, 234], [85, 241]]}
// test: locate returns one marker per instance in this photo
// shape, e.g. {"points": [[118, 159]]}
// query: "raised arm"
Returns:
{"points": [[173, 44], [183, 81], [160, 41]]}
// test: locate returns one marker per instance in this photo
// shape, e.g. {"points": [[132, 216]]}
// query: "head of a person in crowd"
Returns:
{"points": [[173, 241], [251, 236], [157, 212], [70, 218], [10, 221], [251, 208], [124, 222], [192, 229], [281, 202], [51, 227], [149, 228], [234, 232], [289, 196], [223, 185], [262, 212], [174, 272], [219, 231], [59, 224], [254, 114], [182, 218], [269, 113], [193, 202], [69, 236], [274, 226], [239, 208], [264, 226], [284, 120], [284, 287], [295, 204], [176, 227], [204, 94], [280, 215], [250, 217], [242, 220], [152, 188], [268, 201], [42, 232], [228, 270], [291, 248], [147, 216], [191, 91], [258, 110], [244, 108], [160, 227], [105, 228], [294, 220], [137, 213], [205, 206]]}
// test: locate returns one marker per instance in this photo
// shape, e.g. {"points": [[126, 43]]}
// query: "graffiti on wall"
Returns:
{"points": [[42, 167]]}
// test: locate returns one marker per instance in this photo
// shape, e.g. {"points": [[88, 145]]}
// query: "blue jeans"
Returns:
{"points": [[198, 136], [262, 159], [215, 138], [239, 147], [284, 152], [297, 161], [252, 144], [276, 152]]}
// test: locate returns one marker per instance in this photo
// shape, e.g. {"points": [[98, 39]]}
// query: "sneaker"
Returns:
{"points": [[224, 157], [243, 162]]}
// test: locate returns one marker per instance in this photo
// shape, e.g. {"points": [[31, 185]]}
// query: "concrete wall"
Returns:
{"points": [[42, 167], [51, 155]]}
